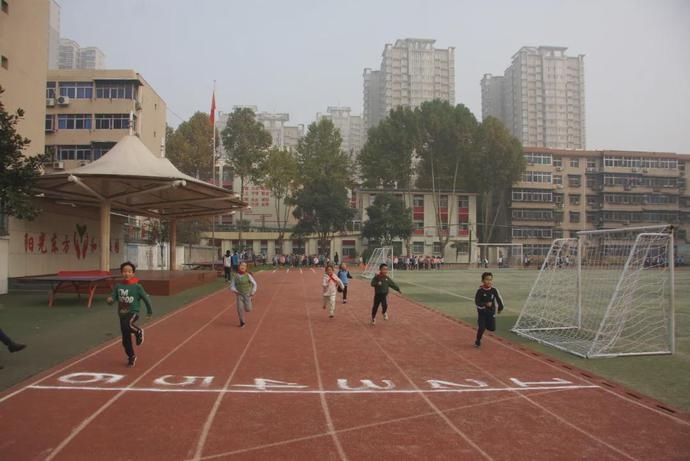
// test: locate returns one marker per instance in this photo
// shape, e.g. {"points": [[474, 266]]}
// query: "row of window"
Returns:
{"points": [[79, 152], [532, 215], [643, 181], [85, 90], [536, 176], [86, 121], [526, 195], [641, 216], [640, 162], [640, 199]]}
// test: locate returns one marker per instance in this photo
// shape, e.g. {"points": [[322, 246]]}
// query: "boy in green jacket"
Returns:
{"points": [[381, 282], [243, 284], [129, 294]]}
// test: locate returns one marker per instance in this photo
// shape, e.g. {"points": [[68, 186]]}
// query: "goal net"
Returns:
{"points": [[501, 254], [379, 256], [606, 293]]}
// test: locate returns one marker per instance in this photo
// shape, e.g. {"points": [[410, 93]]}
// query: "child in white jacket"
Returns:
{"points": [[330, 285]]}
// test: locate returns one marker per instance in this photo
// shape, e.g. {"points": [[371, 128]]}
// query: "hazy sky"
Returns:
{"points": [[302, 56]]}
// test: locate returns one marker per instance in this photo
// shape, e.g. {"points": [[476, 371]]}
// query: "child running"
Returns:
{"points": [[344, 276], [330, 284], [129, 295], [486, 299], [381, 282], [244, 286]]}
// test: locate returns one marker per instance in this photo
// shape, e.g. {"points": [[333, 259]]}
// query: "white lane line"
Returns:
{"points": [[109, 344], [324, 404], [105, 406], [216, 405], [311, 391]]}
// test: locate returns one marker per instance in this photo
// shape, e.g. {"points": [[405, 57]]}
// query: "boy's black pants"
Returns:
{"points": [[485, 321], [127, 327], [227, 272], [380, 299], [345, 293]]}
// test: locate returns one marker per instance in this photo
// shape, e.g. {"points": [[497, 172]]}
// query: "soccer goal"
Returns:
{"points": [[502, 254], [605, 293], [378, 257]]}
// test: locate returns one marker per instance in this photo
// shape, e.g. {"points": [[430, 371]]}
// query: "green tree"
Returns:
{"points": [[246, 143], [321, 208], [386, 158], [444, 150], [280, 179], [17, 171], [190, 146], [321, 202], [388, 218], [319, 155], [495, 166]]}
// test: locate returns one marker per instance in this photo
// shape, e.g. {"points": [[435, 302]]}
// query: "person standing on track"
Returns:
{"points": [[330, 284], [244, 286], [227, 265], [381, 283], [486, 299], [344, 276], [129, 295]]}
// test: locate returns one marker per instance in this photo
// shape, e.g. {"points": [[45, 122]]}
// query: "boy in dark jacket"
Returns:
{"points": [[129, 295], [381, 282], [486, 300]]}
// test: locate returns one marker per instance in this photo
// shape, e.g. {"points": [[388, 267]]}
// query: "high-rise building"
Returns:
{"points": [[542, 98], [412, 72], [72, 56], [349, 126], [88, 111]]}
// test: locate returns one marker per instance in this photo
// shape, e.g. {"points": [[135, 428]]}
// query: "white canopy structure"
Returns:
{"points": [[130, 179]]}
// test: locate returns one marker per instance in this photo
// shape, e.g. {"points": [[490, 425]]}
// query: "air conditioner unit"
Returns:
{"points": [[58, 165], [429, 233], [63, 100], [634, 170], [645, 170], [558, 168], [559, 186], [50, 102], [84, 162], [591, 169]]}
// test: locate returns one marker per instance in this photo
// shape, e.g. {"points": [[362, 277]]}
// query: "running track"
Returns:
{"points": [[295, 384]]}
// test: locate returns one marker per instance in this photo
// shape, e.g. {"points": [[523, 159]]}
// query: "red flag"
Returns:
{"points": [[213, 109]]}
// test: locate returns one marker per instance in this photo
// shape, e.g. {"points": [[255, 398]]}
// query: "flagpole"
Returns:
{"points": [[213, 168]]}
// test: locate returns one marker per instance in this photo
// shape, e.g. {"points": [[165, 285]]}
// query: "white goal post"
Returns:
{"points": [[379, 256], [508, 254], [606, 293]]}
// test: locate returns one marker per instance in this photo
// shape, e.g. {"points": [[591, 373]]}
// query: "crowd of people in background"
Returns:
{"points": [[417, 262]]}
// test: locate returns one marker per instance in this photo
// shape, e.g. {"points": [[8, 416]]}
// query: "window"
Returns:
{"points": [[574, 180], [443, 202], [437, 248], [101, 148], [418, 201], [532, 215], [74, 152], [591, 163], [76, 90], [538, 159], [536, 176], [558, 179], [5, 63], [349, 249], [574, 162], [112, 121], [74, 121], [50, 123], [574, 199], [574, 217], [115, 90], [463, 201], [557, 161], [418, 248], [527, 195], [532, 232], [50, 89]]}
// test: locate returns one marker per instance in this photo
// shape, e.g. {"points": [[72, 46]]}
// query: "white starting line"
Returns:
{"points": [[88, 381]]}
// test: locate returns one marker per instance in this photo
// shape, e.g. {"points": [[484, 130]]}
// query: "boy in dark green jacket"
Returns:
{"points": [[381, 282], [129, 294]]}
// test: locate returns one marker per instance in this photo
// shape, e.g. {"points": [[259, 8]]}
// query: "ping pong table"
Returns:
{"points": [[74, 282]]}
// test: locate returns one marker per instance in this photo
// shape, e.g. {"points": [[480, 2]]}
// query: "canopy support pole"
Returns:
{"points": [[105, 236], [173, 244]]}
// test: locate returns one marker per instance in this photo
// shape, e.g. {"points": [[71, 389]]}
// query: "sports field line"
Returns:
{"points": [[536, 404], [508, 345], [109, 344], [322, 397], [366, 426], [56, 451], [437, 289], [312, 391], [422, 395], [214, 410]]}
